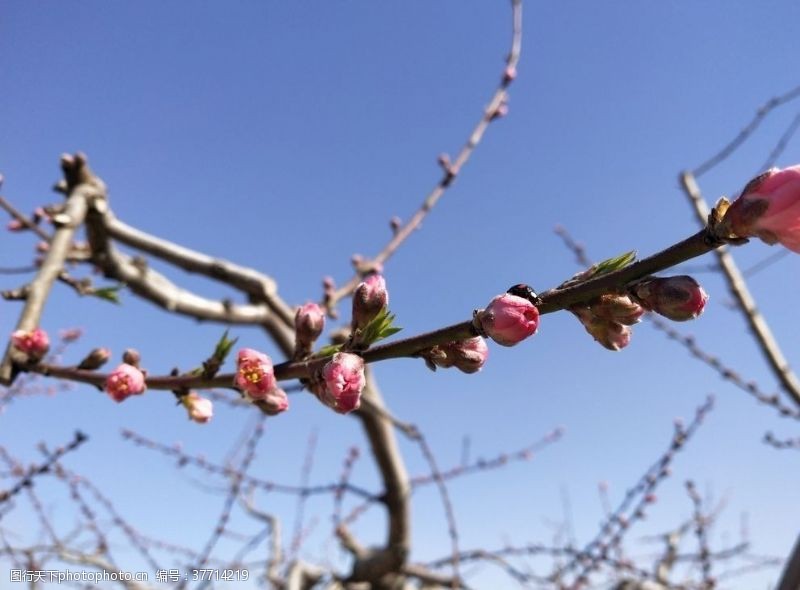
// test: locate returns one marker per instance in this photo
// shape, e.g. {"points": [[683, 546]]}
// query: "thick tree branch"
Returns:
{"points": [[259, 286], [83, 187], [156, 288], [397, 490]]}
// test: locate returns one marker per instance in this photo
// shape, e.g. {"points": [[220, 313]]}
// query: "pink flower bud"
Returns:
{"points": [[34, 343], [608, 333], [95, 359], [509, 319], [618, 308], [132, 357], [467, 355], [369, 299], [254, 373], [124, 381], [274, 402], [200, 409], [16, 225], [70, 334], [309, 321], [769, 208], [678, 298], [344, 380]]}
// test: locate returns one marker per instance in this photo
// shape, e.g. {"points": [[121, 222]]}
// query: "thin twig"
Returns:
{"points": [[747, 131], [783, 142], [738, 287], [450, 170]]}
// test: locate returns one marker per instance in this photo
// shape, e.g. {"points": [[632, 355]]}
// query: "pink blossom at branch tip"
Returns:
{"points": [[309, 321], [16, 225], [769, 208], [678, 298], [199, 408], [369, 299], [509, 319], [344, 380], [124, 381], [254, 373], [34, 343]]}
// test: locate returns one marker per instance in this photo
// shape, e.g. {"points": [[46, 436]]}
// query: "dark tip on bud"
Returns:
{"points": [[131, 357], [524, 291]]}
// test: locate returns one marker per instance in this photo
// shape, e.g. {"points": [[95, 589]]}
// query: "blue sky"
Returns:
{"points": [[285, 136]]}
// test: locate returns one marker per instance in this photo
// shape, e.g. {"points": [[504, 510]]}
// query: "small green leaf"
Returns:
{"points": [[223, 347], [108, 293], [382, 326], [328, 350], [613, 264]]}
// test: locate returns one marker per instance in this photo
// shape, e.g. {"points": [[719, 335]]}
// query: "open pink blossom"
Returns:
{"points": [[769, 208], [124, 381], [678, 298], [254, 373], [199, 408], [509, 319], [34, 343], [369, 299], [344, 380]]}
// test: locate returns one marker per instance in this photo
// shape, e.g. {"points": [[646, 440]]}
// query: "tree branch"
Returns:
{"points": [[738, 288]]}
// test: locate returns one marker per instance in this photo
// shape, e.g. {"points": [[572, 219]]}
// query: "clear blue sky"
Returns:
{"points": [[285, 136]]}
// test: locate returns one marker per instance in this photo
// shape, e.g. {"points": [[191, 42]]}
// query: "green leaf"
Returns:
{"points": [[382, 326], [108, 293], [613, 264], [328, 350], [223, 347]]}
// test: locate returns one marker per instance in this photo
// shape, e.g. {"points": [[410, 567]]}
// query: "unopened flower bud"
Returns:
{"points": [[254, 373], [467, 355], [95, 359], [678, 298], [199, 408], [274, 402], [124, 381], [16, 225], [39, 214], [768, 208], [309, 321], [34, 343], [508, 319], [618, 308], [608, 333], [369, 299], [132, 357], [70, 334], [344, 380]]}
